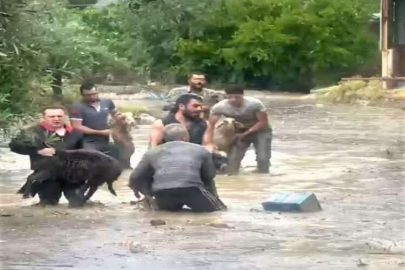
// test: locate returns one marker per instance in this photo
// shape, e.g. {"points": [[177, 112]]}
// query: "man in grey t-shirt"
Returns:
{"points": [[177, 173], [251, 113]]}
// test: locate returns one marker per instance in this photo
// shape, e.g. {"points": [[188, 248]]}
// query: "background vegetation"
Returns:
{"points": [[275, 44]]}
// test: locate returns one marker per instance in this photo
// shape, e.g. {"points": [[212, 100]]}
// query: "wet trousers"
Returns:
{"points": [[50, 191], [198, 199], [262, 143]]}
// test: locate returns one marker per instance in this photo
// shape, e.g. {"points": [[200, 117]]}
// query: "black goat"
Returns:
{"points": [[90, 167], [220, 160]]}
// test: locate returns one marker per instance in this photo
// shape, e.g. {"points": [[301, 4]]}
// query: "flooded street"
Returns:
{"points": [[351, 157]]}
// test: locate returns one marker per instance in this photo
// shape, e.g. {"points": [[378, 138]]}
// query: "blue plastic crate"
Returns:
{"points": [[292, 202]]}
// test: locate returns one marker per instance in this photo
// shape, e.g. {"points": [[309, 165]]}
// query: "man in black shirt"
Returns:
{"points": [[186, 111]]}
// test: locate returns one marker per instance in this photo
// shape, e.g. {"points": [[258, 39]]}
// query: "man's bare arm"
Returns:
{"points": [[77, 124], [157, 133]]}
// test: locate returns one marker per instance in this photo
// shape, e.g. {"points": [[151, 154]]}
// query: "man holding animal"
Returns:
{"points": [[253, 127], [90, 116], [177, 173], [39, 143], [187, 111]]}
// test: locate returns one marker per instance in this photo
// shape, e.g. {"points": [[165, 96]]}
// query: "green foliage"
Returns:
{"points": [[285, 42], [156, 28], [44, 42], [20, 61], [70, 46], [108, 25]]}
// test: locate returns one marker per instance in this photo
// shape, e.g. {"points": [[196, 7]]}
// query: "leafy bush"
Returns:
{"points": [[155, 29], [20, 61], [42, 42], [285, 43]]}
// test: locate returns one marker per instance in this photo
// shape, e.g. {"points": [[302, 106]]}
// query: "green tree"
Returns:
{"points": [[20, 61], [291, 43], [110, 27], [156, 28], [70, 47], [42, 42]]}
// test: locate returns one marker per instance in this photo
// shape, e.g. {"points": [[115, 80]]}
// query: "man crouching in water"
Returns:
{"points": [[177, 173], [39, 142]]}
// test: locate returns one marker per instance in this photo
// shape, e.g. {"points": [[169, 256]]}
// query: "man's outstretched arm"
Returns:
{"points": [[142, 177]]}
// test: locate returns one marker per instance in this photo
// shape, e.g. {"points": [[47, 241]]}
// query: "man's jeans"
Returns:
{"points": [[262, 144]]}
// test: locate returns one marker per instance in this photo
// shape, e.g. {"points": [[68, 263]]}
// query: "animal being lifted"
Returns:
{"points": [[224, 138], [90, 167], [121, 135], [224, 134]]}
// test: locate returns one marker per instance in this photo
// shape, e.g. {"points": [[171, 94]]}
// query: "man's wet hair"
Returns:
{"points": [[54, 107], [174, 132], [185, 99], [86, 87], [234, 89]]}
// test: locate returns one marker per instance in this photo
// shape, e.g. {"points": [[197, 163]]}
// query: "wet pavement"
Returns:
{"points": [[351, 157]]}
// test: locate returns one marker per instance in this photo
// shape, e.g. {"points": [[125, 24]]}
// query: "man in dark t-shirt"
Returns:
{"points": [[90, 116], [186, 111]]}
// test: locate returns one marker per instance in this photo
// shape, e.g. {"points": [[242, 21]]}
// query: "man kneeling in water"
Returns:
{"points": [[177, 173]]}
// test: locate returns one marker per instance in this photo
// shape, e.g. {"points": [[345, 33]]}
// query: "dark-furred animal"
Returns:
{"points": [[220, 160], [90, 167]]}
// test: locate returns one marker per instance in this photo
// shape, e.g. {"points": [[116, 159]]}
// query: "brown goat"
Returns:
{"points": [[121, 135]]}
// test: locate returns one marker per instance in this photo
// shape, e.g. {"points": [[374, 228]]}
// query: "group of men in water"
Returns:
{"points": [[178, 168]]}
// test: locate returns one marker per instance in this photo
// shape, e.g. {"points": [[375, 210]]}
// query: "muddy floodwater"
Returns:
{"points": [[350, 157]]}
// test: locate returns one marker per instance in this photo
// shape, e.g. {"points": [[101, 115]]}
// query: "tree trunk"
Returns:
{"points": [[57, 87]]}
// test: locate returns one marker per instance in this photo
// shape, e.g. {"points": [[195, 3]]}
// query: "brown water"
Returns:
{"points": [[351, 157]]}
